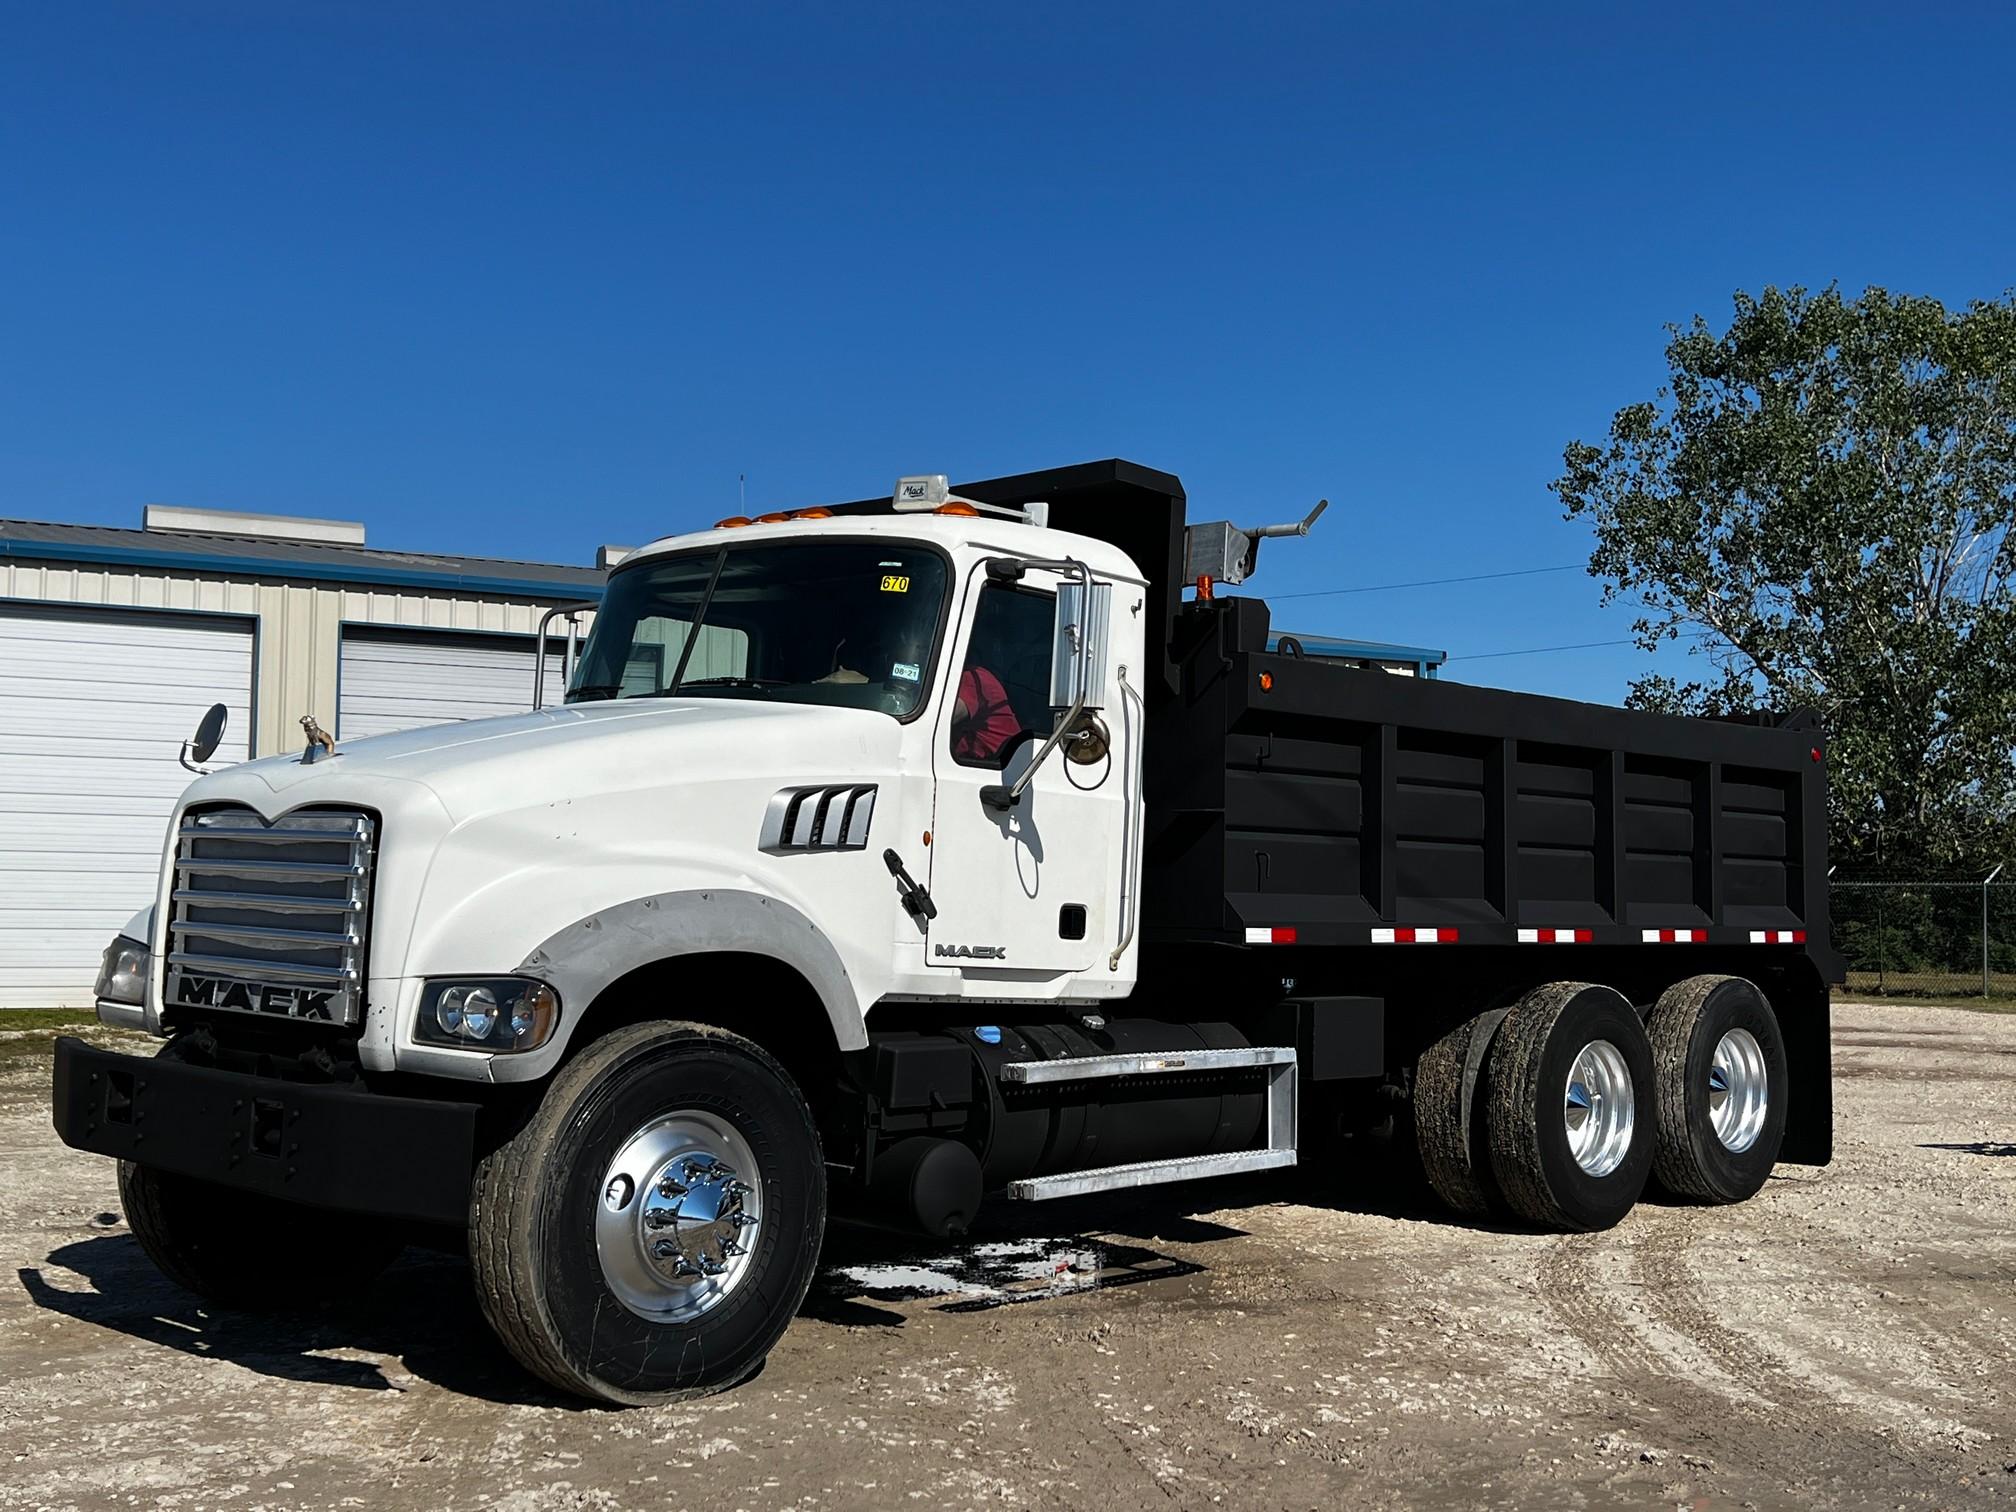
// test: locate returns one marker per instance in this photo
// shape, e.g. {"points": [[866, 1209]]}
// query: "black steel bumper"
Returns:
{"points": [[326, 1146]]}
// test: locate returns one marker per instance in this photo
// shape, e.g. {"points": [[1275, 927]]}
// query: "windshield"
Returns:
{"points": [[848, 623]]}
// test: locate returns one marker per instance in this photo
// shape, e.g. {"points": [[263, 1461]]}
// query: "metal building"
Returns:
{"points": [[114, 641]]}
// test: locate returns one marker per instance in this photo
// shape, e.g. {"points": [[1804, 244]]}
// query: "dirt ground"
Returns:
{"points": [[1843, 1340]]}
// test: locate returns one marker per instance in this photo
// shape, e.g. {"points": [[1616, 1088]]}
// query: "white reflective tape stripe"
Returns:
{"points": [[1649, 936], [1530, 936], [1382, 937], [1260, 936]]}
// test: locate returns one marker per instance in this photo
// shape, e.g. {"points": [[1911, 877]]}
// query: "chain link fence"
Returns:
{"points": [[1922, 937]]}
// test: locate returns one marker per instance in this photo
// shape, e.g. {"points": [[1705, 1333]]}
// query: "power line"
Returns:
{"points": [[1475, 577], [1542, 650]]}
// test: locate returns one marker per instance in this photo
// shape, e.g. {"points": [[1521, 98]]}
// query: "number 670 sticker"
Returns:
{"points": [[893, 584]]}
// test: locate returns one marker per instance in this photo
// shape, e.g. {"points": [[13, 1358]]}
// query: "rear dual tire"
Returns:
{"points": [[1569, 1107], [1540, 1112], [1720, 1065]]}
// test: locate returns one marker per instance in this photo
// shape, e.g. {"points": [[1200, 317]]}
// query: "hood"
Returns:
{"points": [[578, 749]]}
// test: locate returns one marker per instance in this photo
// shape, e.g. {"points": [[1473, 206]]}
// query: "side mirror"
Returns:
{"points": [[209, 734], [1078, 646]]}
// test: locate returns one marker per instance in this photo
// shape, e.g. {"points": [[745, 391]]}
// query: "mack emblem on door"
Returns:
{"points": [[972, 952]]}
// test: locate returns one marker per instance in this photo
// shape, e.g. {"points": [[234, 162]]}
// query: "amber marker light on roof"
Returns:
{"points": [[966, 510], [811, 514], [733, 522]]}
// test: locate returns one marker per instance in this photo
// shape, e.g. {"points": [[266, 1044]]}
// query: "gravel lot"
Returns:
{"points": [[1845, 1339]]}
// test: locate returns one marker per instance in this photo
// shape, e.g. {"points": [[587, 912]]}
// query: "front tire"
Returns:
{"points": [[649, 1233], [1720, 1064], [1571, 1117]]}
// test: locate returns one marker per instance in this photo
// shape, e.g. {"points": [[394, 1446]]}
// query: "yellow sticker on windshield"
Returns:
{"points": [[893, 584]]}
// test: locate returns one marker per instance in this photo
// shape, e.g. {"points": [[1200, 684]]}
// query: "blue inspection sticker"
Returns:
{"points": [[907, 671]]}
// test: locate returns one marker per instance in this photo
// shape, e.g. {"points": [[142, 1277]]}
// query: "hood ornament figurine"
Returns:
{"points": [[320, 742]]}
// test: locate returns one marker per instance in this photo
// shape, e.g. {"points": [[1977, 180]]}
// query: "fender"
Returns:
{"points": [[591, 953]]}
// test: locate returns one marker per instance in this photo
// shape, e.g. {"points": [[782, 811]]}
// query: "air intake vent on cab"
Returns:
{"points": [[820, 818]]}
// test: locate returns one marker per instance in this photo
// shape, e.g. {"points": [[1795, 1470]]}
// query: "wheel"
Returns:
{"points": [[1450, 1135], [242, 1249], [1570, 1106], [1719, 1066], [650, 1231]]}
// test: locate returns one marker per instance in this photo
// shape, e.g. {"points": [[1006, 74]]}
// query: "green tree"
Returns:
{"points": [[1818, 503]]}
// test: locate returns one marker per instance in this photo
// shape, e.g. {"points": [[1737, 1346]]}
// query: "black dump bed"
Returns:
{"points": [[1345, 804]]}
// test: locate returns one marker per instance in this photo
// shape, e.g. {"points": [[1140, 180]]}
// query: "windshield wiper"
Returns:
{"points": [[721, 682]]}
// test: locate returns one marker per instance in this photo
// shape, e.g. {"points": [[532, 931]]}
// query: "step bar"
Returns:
{"points": [[1279, 1127]]}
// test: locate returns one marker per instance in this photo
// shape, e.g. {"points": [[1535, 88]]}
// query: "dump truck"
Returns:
{"points": [[957, 846]]}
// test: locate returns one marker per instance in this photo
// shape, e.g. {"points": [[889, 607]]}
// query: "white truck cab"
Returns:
{"points": [[763, 716]]}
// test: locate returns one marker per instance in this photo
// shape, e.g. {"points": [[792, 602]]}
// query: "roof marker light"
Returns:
{"points": [[733, 522]]}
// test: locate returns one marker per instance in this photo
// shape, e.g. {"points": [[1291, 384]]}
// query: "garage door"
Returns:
{"points": [[94, 707], [402, 679]]}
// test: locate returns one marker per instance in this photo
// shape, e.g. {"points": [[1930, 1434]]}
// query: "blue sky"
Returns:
{"points": [[519, 279]]}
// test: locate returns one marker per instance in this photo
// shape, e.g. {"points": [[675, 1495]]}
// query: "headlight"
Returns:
{"points": [[122, 976], [487, 1013]]}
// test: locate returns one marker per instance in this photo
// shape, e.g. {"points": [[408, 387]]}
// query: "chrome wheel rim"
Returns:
{"points": [[1739, 1090], [1600, 1108], [674, 1218]]}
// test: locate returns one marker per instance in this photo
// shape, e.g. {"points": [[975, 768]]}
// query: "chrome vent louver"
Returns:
{"points": [[825, 818], [271, 918]]}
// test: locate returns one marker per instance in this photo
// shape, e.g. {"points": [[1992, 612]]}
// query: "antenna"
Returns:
{"points": [[742, 493]]}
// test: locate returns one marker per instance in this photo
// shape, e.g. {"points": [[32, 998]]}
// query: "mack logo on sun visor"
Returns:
{"points": [[972, 952], [255, 997]]}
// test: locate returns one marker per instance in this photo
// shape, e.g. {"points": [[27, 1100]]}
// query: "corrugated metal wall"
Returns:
{"points": [[300, 624]]}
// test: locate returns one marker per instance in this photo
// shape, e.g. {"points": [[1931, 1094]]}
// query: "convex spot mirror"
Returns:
{"points": [[209, 733], [1078, 649], [1088, 742]]}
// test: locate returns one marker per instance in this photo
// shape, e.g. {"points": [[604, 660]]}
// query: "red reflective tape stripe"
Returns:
{"points": [[1403, 936], [1284, 936]]}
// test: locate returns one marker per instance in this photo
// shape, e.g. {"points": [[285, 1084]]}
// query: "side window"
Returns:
{"points": [[1004, 688]]}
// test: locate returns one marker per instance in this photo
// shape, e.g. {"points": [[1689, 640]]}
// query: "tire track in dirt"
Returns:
{"points": [[1672, 1291], [1758, 1420]]}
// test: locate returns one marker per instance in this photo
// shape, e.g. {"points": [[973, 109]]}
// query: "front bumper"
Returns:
{"points": [[323, 1146]]}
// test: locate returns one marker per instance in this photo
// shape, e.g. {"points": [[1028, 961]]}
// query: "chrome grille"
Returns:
{"points": [[271, 918]]}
